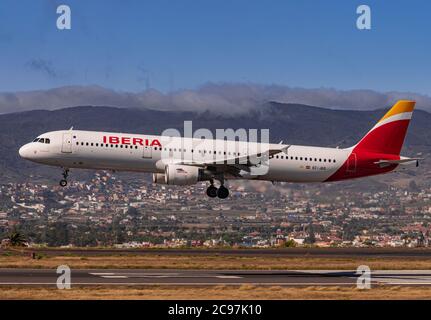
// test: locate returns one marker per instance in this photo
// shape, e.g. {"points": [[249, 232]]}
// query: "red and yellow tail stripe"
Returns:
{"points": [[401, 109]]}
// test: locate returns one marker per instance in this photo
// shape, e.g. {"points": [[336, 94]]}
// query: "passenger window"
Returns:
{"points": [[296, 158], [300, 158], [92, 144], [305, 159], [333, 161]]}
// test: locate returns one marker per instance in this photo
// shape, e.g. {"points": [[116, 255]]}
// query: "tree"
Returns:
{"points": [[57, 234], [290, 243], [311, 236], [16, 239]]}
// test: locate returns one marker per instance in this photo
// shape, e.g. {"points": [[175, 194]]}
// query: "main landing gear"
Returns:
{"points": [[63, 182], [222, 192]]}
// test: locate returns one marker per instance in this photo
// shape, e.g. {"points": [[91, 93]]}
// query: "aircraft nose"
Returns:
{"points": [[24, 152]]}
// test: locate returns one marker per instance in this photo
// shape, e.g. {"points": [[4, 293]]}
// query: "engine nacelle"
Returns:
{"points": [[159, 178], [183, 175]]}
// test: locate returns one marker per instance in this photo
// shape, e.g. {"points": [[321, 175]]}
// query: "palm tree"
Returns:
{"points": [[17, 239]]}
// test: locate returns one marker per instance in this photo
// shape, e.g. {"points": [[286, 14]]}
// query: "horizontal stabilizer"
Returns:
{"points": [[385, 163]]}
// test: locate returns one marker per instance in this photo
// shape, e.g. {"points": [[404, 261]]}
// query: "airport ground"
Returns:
{"points": [[221, 259], [245, 292], [302, 273]]}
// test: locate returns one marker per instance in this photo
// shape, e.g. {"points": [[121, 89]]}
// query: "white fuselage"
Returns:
{"points": [[148, 153]]}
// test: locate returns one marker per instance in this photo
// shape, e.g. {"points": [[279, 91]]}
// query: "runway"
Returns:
{"points": [[244, 252], [141, 277]]}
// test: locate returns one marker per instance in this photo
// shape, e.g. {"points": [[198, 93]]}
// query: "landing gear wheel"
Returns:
{"points": [[212, 191], [63, 182], [222, 192]]}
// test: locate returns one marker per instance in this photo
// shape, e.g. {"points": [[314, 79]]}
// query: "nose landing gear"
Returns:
{"points": [[63, 182]]}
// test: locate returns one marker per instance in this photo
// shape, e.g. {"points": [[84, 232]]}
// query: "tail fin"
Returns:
{"points": [[387, 136]]}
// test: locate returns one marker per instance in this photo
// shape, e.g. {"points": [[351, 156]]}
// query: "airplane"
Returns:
{"points": [[186, 161]]}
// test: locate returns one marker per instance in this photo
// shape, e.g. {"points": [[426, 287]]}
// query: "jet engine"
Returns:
{"points": [[183, 175], [159, 178]]}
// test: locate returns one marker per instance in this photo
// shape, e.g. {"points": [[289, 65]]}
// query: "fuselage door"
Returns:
{"points": [[351, 163], [148, 152], [66, 147]]}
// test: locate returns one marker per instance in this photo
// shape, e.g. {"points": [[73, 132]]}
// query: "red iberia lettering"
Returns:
{"points": [[114, 140], [138, 141], [156, 143], [131, 141]]}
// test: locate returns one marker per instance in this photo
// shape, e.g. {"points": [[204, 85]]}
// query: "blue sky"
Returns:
{"points": [[172, 45]]}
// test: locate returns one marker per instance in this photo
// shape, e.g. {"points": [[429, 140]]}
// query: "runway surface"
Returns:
{"points": [[134, 277], [244, 252]]}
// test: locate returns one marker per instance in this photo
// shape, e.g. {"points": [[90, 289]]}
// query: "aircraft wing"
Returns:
{"points": [[237, 166]]}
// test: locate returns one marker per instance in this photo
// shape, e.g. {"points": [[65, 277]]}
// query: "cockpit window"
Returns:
{"points": [[47, 141], [42, 140], [36, 140]]}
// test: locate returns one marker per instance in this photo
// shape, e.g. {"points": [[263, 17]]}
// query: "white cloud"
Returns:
{"points": [[219, 98]]}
